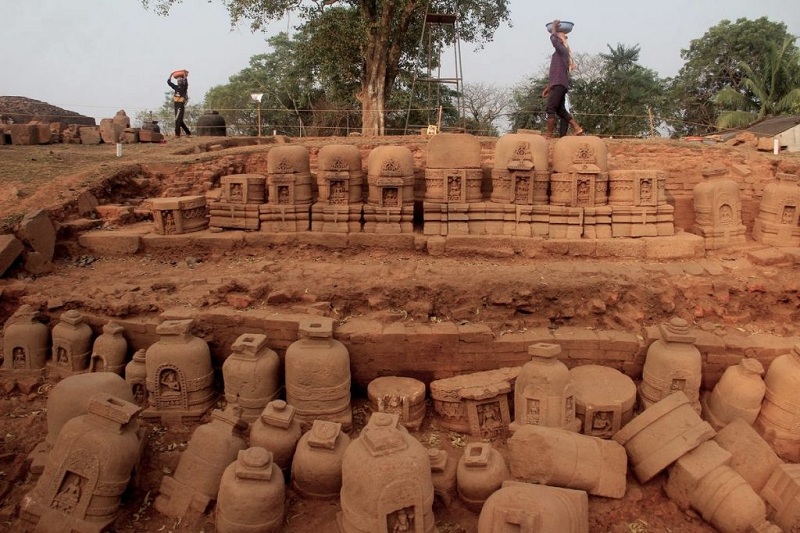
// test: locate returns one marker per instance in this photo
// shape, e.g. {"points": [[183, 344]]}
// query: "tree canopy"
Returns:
{"points": [[716, 60], [387, 33]]}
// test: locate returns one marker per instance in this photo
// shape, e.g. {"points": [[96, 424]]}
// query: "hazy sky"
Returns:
{"points": [[98, 56]]}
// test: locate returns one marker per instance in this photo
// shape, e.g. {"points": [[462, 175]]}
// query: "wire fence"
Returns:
{"points": [[324, 122]]}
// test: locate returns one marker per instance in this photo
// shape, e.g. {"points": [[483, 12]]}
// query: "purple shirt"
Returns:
{"points": [[559, 63]]}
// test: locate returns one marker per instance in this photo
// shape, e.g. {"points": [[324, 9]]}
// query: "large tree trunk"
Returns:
{"points": [[385, 31], [372, 98]]}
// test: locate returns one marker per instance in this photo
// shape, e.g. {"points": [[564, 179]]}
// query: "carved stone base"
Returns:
{"points": [[336, 218], [234, 216], [388, 219], [288, 218]]}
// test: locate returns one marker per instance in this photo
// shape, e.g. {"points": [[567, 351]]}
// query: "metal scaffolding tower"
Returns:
{"points": [[435, 25]]}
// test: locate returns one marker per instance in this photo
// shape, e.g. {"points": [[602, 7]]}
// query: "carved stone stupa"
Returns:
{"points": [[87, 471], [180, 380]]}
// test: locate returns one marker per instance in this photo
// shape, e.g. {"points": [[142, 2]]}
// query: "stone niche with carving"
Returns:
{"points": [[530, 508], [72, 344], [638, 199], [178, 215], [386, 481], [110, 350], [453, 178], [520, 180], [778, 220], [26, 341], [476, 403], [544, 394], [88, 469], [390, 200], [340, 182], [180, 380], [579, 190], [289, 192], [237, 205], [718, 210], [673, 363], [398, 395]]}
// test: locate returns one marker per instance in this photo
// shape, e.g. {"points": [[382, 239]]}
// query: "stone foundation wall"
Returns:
{"points": [[440, 350], [684, 164]]}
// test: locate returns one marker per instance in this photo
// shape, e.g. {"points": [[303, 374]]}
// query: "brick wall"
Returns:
{"points": [[439, 350]]}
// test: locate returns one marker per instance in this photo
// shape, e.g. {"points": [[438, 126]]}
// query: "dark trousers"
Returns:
{"points": [[557, 103], [180, 107]]}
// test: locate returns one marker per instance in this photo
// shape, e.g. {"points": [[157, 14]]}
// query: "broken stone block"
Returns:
{"points": [[535, 509], [604, 399], [480, 472], [562, 458], [662, 434], [86, 203], [37, 231], [149, 136], [10, 250], [129, 136], [458, 400], [402, 396], [177, 215], [686, 473], [90, 134], [751, 456], [197, 478], [24, 134], [35, 263], [107, 131], [782, 494], [703, 480]]}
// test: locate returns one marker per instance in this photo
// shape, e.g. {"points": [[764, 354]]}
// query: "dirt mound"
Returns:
{"points": [[20, 110]]}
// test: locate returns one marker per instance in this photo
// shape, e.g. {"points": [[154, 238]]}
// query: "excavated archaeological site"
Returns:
{"points": [[402, 334]]}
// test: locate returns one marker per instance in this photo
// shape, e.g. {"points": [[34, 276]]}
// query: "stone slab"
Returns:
{"points": [[37, 230], [766, 256], [111, 243], [680, 246], [10, 249]]}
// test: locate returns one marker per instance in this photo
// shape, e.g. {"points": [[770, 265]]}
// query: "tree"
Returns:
{"points": [[767, 89], [715, 60], [387, 33], [620, 101], [485, 105]]}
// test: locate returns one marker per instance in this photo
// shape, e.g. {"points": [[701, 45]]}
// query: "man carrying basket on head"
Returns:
{"points": [[180, 97]]}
